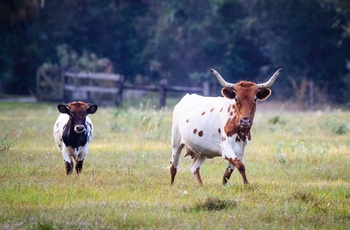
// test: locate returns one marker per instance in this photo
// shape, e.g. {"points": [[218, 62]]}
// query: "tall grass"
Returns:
{"points": [[297, 165]]}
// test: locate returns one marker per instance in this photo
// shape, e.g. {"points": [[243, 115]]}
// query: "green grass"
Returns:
{"points": [[297, 165]]}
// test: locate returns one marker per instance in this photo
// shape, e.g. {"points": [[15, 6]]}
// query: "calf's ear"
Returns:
{"points": [[63, 109], [92, 109], [263, 94]]}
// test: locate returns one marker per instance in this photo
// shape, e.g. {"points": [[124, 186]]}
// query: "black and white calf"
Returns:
{"points": [[73, 132]]}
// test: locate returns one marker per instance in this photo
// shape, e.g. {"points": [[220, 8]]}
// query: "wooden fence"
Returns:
{"points": [[93, 87], [99, 87], [49, 84]]}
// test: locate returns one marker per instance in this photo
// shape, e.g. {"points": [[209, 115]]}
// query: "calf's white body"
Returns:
{"points": [[68, 152]]}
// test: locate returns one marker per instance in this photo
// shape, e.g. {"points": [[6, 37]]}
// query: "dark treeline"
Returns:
{"points": [[180, 40]]}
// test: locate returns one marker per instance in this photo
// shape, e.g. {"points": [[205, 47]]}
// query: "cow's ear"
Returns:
{"points": [[228, 92], [263, 94], [63, 109], [92, 109]]}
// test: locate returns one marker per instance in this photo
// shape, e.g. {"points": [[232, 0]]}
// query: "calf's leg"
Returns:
{"points": [[79, 166], [69, 167], [67, 159]]}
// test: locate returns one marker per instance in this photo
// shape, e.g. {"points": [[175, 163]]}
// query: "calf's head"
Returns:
{"points": [[77, 112], [246, 94]]}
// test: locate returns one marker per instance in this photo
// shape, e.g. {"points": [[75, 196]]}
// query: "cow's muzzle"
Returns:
{"points": [[79, 128], [246, 122]]}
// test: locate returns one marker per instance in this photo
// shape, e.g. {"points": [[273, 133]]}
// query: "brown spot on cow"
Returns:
{"points": [[212, 109], [219, 130], [223, 138], [195, 131], [187, 120], [200, 133], [231, 126], [221, 110], [203, 113], [229, 109], [231, 114]]}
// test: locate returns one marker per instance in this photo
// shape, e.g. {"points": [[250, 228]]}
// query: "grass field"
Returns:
{"points": [[298, 166]]}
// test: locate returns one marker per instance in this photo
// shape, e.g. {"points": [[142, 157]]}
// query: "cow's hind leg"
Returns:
{"points": [[79, 166], [69, 167], [227, 173], [195, 167], [174, 161]]}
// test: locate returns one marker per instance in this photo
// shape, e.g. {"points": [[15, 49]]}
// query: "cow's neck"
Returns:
{"points": [[232, 127], [244, 133]]}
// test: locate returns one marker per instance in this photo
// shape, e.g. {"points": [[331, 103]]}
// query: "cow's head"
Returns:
{"points": [[245, 94], [77, 112]]}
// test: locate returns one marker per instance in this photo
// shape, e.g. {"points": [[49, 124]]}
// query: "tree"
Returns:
{"points": [[113, 29], [300, 37], [181, 40], [19, 53], [193, 36]]}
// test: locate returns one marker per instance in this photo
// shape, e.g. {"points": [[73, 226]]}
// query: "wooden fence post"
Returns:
{"points": [[89, 93], [311, 96], [205, 86], [119, 97], [162, 93], [67, 81]]}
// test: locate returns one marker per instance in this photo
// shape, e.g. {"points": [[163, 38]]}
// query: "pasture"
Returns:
{"points": [[297, 164]]}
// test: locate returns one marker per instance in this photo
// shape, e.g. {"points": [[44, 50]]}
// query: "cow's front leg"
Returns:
{"points": [[195, 167], [240, 166], [79, 166], [228, 173]]}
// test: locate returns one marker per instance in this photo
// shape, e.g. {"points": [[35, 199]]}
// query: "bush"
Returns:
{"points": [[4, 144], [336, 127]]}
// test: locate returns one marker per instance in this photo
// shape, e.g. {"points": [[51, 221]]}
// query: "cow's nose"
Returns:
{"points": [[79, 128], [246, 122]]}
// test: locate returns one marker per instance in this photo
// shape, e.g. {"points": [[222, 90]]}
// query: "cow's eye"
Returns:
{"points": [[237, 101], [255, 99]]}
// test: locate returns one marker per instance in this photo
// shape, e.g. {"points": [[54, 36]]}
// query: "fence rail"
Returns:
{"points": [[95, 87]]}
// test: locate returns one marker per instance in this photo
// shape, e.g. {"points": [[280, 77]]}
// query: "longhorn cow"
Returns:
{"points": [[72, 132], [209, 127]]}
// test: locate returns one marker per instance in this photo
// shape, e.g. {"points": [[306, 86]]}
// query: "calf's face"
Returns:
{"points": [[77, 112]]}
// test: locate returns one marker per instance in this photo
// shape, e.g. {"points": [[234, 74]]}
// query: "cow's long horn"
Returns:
{"points": [[221, 80], [269, 83]]}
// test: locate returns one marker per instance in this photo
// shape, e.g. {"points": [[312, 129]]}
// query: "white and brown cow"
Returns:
{"points": [[208, 127], [73, 132]]}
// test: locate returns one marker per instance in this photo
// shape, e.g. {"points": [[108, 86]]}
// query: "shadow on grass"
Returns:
{"points": [[213, 204]]}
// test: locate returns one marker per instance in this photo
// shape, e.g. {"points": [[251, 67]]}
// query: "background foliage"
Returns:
{"points": [[180, 39]]}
